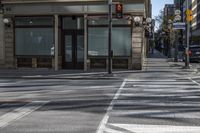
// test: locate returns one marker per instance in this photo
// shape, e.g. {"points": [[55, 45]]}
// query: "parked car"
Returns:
{"points": [[194, 53]]}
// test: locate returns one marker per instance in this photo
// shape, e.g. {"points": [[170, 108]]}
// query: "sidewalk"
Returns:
{"points": [[155, 62], [28, 73], [160, 62]]}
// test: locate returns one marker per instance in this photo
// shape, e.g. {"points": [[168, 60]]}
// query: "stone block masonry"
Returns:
{"points": [[137, 45]]}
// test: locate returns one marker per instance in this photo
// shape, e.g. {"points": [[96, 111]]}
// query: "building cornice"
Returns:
{"points": [[66, 1]]}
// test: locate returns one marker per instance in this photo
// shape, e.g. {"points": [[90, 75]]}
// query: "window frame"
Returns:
{"points": [[32, 26], [105, 26]]}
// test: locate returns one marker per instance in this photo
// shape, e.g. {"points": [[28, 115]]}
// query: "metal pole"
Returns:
{"points": [[187, 60], [110, 38], [169, 46], [85, 42], [56, 43]]}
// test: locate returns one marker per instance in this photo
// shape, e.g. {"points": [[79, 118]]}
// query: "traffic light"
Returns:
{"points": [[189, 16], [119, 10]]}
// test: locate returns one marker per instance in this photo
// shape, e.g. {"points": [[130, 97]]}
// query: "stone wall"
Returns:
{"points": [[137, 48], [9, 45], [2, 53]]}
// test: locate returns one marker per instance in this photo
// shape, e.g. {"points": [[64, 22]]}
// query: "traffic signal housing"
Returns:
{"points": [[119, 10], [189, 16]]}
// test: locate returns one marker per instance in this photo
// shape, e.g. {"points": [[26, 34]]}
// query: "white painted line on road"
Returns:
{"points": [[163, 83], [161, 104], [164, 86], [151, 80], [103, 122], [110, 130], [194, 77], [96, 87], [194, 81], [136, 128], [19, 113], [188, 114]]}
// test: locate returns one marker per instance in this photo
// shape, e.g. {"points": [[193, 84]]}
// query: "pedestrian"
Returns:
{"points": [[162, 47], [180, 51], [152, 46]]}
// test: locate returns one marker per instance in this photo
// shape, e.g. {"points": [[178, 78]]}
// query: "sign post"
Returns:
{"points": [[187, 59]]}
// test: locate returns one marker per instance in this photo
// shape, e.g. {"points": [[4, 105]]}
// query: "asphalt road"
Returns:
{"points": [[161, 99], [196, 65], [75, 106]]}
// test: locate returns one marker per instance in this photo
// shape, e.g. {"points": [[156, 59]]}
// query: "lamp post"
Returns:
{"points": [[110, 37]]}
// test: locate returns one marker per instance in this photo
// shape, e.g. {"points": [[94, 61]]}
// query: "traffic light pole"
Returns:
{"points": [[187, 59], [110, 37]]}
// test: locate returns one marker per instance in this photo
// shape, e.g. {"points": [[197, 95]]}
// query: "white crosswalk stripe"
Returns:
{"points": [[163, 98], [19, 113], [156, 128]]}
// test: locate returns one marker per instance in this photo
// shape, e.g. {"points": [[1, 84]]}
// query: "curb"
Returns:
{"points": [[83, 78], [74, 76], [178, 64]]}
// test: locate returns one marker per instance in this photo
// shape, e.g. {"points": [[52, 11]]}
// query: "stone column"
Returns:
{"points": [[137, 46], [2, 47], [9, 44]]}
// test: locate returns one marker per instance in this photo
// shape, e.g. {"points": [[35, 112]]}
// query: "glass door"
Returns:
{"points": [[79, 50], [73, 53]]}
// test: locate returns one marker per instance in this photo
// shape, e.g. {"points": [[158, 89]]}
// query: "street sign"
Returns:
{"points": [[177, 18], [179, 26], [177, 12]]}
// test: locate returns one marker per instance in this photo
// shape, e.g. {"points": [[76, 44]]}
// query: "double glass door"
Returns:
{"points": [[73, 49]]}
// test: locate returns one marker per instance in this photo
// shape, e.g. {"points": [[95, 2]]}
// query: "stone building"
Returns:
{"points": [[71, 34], [195, 24]]}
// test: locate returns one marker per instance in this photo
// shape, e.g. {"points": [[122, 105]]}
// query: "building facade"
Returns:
{"points": [[169, 11], [68, 34], [195, 24], [168, 40]]}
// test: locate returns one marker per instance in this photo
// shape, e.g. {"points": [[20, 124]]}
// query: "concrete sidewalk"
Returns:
{"points": [[155, 62], [63, 74]]}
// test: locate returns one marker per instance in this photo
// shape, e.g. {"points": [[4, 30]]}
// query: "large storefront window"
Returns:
{"points": [[98, 37], [121, 41], [34, 35], [98, 41], [33, 41]]}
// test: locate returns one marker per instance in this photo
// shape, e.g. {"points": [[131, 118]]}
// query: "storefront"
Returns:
{"points": [[72, 35]]}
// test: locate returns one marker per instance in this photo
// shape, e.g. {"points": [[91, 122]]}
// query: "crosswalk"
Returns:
{"points": [[20, 112], [154, 106]]}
